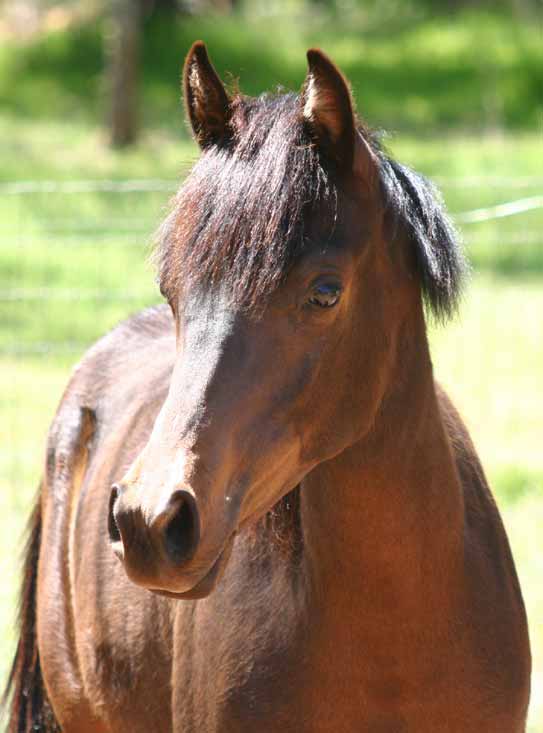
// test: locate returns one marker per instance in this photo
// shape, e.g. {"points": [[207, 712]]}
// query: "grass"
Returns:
{"points": [[88, 250]]}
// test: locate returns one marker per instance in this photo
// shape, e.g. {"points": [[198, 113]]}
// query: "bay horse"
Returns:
{"points": [[268, 453]]}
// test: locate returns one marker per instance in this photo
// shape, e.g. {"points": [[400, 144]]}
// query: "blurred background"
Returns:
{"points": [[93, 143]]}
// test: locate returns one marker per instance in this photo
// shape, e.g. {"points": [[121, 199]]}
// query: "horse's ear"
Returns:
{"points": [[327, 107], [206, 100]]}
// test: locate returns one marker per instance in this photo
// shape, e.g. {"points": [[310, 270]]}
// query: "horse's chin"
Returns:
{"points": [[208, 583]]}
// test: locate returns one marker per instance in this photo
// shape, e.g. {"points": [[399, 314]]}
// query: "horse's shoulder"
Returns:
{"points": [[490, 569], [143, 339], [108, 381]]}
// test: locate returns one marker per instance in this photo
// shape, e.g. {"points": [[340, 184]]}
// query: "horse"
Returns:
{"points": [[259, 511]]}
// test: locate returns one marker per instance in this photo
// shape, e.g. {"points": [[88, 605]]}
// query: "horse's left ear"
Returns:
{"points": [[327, 107], [206, 100]]}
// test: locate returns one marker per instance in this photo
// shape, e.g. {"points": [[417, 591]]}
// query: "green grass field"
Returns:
{"points": [[72, 265]]}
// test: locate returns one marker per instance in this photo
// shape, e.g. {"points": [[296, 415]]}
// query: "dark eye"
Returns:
{"points": [[326, 295]]}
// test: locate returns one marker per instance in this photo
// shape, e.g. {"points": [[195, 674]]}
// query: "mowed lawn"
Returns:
{"points": [[73, 264]]}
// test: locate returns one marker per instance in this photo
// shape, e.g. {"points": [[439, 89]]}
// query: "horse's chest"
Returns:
{"points": [[238, 667]]}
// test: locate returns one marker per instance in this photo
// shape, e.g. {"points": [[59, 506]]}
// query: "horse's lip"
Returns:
{"points": [[204, 586]]}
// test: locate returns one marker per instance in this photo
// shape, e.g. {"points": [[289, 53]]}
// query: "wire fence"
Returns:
{"points": [[154, 185], [58, 238], [509, 208]]}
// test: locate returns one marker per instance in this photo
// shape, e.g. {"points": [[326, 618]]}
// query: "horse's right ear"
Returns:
{"points": [[206, 100]]}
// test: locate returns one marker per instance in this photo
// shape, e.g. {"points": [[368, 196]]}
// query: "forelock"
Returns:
{"points": [[243, 214], [246, 211]]}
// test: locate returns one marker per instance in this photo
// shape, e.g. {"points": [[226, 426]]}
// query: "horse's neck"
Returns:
{"points": [[383, 521]]}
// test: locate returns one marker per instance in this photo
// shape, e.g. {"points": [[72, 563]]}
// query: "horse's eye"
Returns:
{"points": [[325, 295]]}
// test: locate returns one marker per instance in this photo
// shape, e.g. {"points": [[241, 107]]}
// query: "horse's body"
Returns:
{"points": [[118, 658], [379, 594]]}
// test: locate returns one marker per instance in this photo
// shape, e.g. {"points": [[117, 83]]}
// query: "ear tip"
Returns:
{"points": [[198, 51], [317, 57], [313, 54]]}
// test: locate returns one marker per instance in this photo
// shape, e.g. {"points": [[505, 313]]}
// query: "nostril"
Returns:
{"points": [[112, 527], [181, 531]]}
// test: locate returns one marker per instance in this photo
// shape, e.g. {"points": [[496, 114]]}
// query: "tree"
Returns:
{"points": [[123, 56]]}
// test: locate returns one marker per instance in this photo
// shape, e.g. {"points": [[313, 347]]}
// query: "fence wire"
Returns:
{"points": [[37, 224], [159, 185]]}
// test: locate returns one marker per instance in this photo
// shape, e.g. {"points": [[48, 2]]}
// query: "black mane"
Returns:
{"points": [[418, 210], [242, 214]]}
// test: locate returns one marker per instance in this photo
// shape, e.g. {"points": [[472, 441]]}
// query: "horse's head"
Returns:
{"points": [[294, 260]]}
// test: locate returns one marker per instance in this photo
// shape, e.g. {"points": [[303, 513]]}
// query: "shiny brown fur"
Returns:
{"points": [[364, 580]]}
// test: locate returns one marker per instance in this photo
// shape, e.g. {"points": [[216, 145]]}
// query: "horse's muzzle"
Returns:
{"points": [[153, 548]]}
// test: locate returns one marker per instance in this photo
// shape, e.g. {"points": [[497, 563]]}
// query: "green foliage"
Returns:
{"points": [[471, 69]]}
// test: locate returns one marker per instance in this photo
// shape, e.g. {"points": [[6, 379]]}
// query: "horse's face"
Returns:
{"points": [[257, 399]]}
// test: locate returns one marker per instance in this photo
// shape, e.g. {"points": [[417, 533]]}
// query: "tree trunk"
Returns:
{"points": [[123, 71]]}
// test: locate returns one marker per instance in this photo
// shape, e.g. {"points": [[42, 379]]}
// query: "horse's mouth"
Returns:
{"points": [[206, 585]]}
